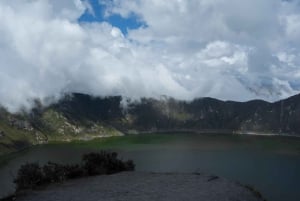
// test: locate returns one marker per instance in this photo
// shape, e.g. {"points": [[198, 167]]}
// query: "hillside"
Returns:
{"points": [[82, 117]]}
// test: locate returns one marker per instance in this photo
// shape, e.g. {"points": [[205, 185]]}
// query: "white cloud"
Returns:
{"points": [[225, 49]]}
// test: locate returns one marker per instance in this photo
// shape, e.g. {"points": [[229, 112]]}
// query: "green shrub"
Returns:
{"points": [[9, 198], [94, 163], [105, 163], [54, 172], [74, 171], [129, 165], [29, 176]]}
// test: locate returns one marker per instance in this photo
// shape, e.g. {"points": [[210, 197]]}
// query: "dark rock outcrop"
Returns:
{"points": [[80, 116], [203, 113]]}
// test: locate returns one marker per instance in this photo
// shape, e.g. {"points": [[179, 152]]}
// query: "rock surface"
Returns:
{"points": [[138, 186], [83, 117]]}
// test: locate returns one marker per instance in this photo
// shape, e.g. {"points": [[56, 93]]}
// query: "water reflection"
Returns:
{"points": [[270, 164]]}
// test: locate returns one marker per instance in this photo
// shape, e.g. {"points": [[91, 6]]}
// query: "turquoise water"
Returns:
{"points": [[270, 164]]}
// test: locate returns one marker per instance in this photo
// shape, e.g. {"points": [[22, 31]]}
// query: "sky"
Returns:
{"points": [[226, 49]]}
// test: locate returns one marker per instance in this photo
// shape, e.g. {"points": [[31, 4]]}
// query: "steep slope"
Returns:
{"points": [[82, 117]]}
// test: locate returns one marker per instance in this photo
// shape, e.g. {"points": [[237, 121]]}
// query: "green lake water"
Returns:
{"points": [[270, 164]]}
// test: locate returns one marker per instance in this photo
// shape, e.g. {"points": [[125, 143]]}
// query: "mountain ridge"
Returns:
{"points": [[83, 117]]}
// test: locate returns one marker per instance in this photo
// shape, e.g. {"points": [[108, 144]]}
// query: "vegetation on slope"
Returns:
{"points": [[82, 117]]}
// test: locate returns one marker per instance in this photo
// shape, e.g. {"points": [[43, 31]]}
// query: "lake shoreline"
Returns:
{"points": [[163, 131], [241, 158], [211, 131], [135, 186]]}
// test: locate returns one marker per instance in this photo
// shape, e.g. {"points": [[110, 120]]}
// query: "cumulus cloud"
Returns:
{"points": [[237, 50]]}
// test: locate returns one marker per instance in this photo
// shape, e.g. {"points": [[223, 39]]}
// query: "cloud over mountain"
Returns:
{"points": [[225, 49]]}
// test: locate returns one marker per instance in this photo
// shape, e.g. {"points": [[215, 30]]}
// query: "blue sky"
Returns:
{"points": [[225, 49], [116, 20]]}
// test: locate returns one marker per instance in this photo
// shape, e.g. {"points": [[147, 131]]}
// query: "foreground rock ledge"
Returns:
{"points": [[139, 186]]}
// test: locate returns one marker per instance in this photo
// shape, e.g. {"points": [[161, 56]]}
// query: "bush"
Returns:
{"points": [[129, 165], [94, 163], [9, 198], [54, 172], [29, 176], [105, 163], [74, 171]]}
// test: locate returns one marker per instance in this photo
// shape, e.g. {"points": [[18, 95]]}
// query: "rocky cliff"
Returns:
{"points": [[82, 117]]}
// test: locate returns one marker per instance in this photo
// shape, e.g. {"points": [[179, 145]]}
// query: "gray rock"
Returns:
{"points": [[138, 186]]}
